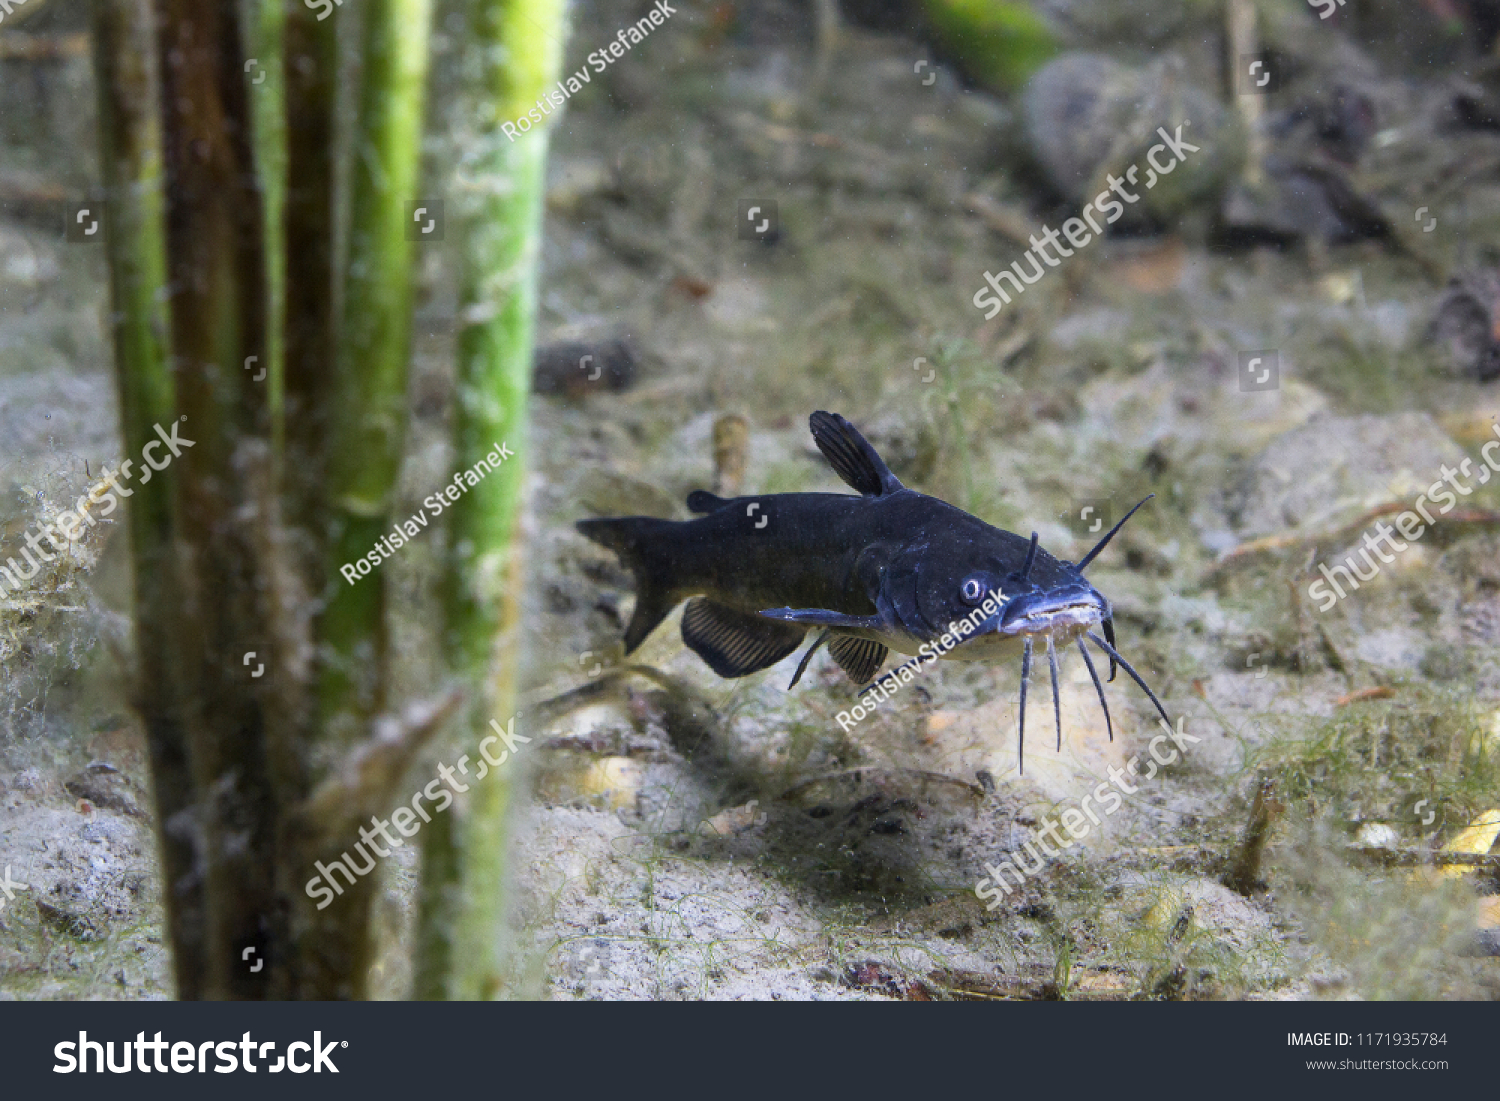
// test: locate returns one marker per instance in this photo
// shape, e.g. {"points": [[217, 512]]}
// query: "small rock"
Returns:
{"points": [[103, 785], [733, 820], [1336, 468], [1377, 835], [576, 368], [575, 183], [1464, 330], [1087, 116], [1304, 197], [76, 925], [1487, 942], [875, 977], [608, 782]]}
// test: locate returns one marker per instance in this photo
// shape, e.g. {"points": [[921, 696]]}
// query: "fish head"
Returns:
{"points": [[1062, 611], [992, 596]]}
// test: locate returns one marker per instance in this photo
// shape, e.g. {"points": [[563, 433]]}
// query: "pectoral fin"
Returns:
{"points": [[735, 643], [821, 617], [807, 657], [861, 658]]}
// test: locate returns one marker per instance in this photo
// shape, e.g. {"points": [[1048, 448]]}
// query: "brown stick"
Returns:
{"points": [[43, 47], [1269, 543], [216, 266], [1245, 877], [731, 438], [311, 66], [1240, 17]]}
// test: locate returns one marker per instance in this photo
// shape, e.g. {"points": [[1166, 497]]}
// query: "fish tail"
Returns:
{"points": [[636, 540]]}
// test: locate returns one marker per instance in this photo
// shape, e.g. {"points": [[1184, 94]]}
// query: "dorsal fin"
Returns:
{"points": [[851, 455]]}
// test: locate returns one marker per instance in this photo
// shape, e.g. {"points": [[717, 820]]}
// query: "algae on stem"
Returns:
{"points": [[499, 217]]}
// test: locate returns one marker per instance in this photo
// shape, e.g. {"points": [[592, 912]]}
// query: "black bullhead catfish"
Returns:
{"points": [[890, 569]]}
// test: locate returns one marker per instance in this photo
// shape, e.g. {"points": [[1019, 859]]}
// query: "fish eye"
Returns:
{"points": [[973, 590]]}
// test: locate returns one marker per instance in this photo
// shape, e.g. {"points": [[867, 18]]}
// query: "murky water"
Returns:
{"points": [[774, 220]]}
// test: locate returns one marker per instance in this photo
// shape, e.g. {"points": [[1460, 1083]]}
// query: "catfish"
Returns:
{"points": [[887, 570]]}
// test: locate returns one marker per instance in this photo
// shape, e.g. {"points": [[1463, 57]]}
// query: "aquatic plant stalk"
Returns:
{"points": [[130, 154], [373, 354], [245, 766], [216, 276], [310, 72], [349, 421], [498, 207], [268, 110]]}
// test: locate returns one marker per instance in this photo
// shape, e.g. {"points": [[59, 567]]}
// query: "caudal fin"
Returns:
{"points": [[635, 539]]}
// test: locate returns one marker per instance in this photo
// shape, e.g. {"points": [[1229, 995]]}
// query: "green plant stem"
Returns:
{"points": [[373, 355], [130, 153], [499, 214]]}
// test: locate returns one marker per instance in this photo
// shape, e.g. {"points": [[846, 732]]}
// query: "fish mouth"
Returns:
{"points": [[1063, 613]]}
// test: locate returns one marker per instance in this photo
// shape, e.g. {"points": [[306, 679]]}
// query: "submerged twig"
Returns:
{"points": [[978, 986], [1244, 876], [1415, 857], [731, 439], [1238, 556], [367, 778]]}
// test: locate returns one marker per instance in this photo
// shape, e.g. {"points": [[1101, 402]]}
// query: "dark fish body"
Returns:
{"points": [[810, 550], [890, 569]]}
